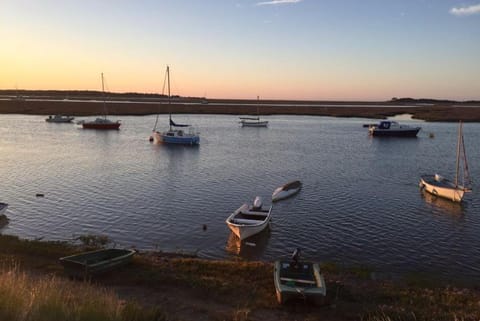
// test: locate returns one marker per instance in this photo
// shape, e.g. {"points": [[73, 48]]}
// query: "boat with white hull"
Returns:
{"points": [[392, 128], [253, 122], [176, 133], [249, 220], [286, 191], [59, 119], [439, 186]]}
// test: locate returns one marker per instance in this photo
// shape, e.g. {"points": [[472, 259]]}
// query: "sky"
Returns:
{"points": [[281, 49]]}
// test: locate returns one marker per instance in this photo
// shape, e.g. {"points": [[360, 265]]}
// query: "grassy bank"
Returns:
{"points": [[443, 112], [160, 286]]}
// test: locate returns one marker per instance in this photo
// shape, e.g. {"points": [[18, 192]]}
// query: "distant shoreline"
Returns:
{"points": [[82, 106]]}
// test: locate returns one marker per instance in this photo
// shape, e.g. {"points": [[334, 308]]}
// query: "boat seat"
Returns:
{"points": [[245, 221], [298, 280], [255, 213]]}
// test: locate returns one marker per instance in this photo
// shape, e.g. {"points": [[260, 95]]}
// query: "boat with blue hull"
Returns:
{"points": [[393, 129], [179, 134]]}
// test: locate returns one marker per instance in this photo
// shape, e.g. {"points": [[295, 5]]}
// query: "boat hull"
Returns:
{"points": [[286, 191], [254, 124], [112, 126], [245, 228], [394, 133], [184, 140], [303, 281], [3, 208], [60, 120], [444, 188], [95, 262]]}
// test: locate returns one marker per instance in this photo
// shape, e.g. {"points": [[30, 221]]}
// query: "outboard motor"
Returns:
{"points": [[257, 203], [296, 256]]}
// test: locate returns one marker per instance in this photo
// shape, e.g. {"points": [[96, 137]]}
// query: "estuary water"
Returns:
{"points": [[360, 202]]}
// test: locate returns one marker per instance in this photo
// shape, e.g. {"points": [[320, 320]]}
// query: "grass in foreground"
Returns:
{"points": [[45, 298]]}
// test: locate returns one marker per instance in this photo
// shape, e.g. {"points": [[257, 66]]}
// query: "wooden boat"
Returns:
{"points": [[59, 119], [3, 208], [95, 262], [249, 220], [173, 135], [286, 191], [299, 280], [442, 187], [101, 123], [392, 128]]}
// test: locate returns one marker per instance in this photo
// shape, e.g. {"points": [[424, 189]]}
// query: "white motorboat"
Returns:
{"points": [[3, 208], [439, 186], [249, 220], [286, 191], [59, 119], [392, 128]]}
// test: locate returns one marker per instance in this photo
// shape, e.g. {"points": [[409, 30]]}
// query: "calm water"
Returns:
{"points": [[360, 202]]}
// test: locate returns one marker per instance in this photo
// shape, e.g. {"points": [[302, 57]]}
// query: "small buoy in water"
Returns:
{"points": [[150, 139], [431, 135], [39, 195], [204, 227], [250, 244]]}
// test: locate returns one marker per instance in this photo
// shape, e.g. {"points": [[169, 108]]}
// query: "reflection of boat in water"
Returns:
{"points": [[442, 204], [253, 248]]}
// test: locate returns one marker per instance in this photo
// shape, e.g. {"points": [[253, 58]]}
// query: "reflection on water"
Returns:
{"points": [[251, 248], [442, 204], [359, 203]]}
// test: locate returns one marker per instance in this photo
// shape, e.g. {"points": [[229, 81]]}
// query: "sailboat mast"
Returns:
{"points": [[104, 103], [169, 99], [458, 152]]}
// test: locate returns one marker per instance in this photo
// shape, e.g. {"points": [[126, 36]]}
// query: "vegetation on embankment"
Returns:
{"points": [[440, 112], [158, 286]]}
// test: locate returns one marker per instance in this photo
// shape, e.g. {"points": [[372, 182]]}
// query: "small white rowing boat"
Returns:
{"points": [[249, 220], [3, 208], [286, 191]]}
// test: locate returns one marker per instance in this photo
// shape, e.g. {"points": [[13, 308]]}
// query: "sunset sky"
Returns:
{"points": [[283, 49]]}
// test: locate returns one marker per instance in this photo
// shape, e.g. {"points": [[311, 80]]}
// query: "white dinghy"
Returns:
{"points": [[442, 187], [249, 220], [286, 191]]}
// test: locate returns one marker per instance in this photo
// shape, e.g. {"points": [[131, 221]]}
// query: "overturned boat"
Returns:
{"points": [[286, 191]]}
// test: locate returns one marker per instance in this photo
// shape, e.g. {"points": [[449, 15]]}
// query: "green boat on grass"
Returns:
{"points": [[299, 280], [95, 262]]}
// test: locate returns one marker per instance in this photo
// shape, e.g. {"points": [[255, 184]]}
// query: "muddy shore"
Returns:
{"points": [[433, 113]]}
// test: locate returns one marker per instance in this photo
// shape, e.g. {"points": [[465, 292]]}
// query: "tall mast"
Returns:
{"points": [[104, 103], [169, 107], [458, 152]]}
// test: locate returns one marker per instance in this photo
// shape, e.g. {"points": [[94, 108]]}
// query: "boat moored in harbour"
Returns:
{"points": [[286, 191], [392, 128], [59, 119], [249, 220]]}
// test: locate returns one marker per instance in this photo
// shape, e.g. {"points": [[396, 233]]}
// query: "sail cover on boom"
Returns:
{"points": [[177, 125]]}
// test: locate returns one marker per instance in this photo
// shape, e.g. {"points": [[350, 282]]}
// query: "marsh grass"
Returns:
{"points": [[24, 297]]}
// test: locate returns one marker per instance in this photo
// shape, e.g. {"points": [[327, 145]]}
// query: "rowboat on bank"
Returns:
{"points": [[299, 280], [95, 262]]}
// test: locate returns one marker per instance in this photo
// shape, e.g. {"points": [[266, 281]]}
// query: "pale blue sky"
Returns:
{"points": [[308, 49]]}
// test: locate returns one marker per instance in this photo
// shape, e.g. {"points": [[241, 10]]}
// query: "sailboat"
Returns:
{"points": [[174, 135], [253, 121], [101, 123], [442, 187]]}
